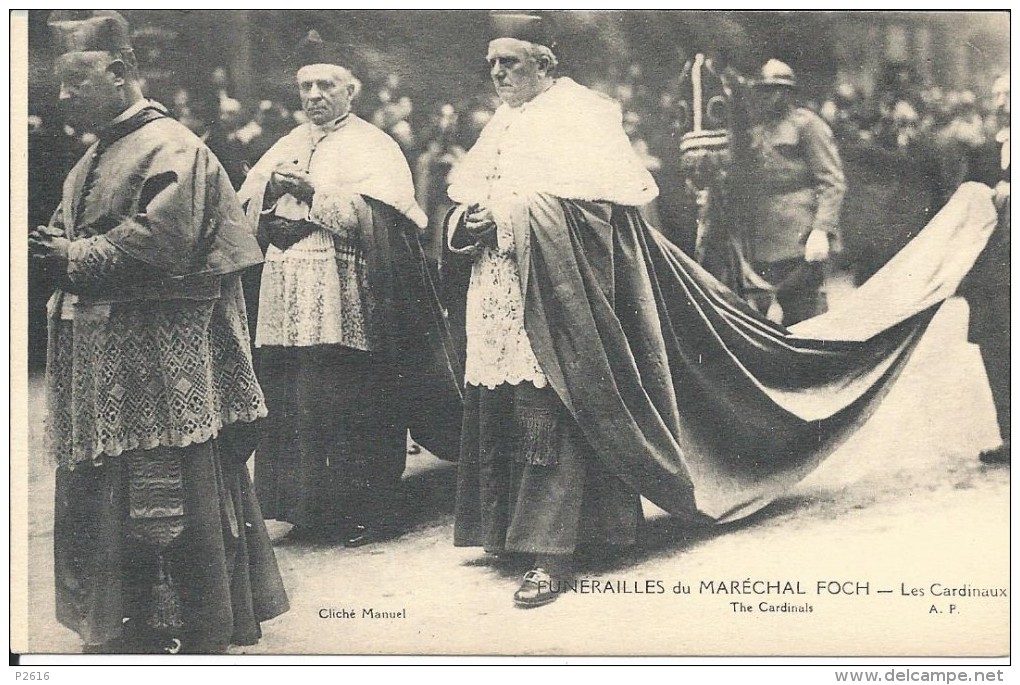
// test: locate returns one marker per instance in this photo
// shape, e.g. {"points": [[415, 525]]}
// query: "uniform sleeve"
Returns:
{"points": [[826, 167]]}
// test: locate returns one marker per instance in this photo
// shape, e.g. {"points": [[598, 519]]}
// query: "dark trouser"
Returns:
{"points": [[996, 360], [798, 293], [986, 290], [528, 481], [991, 333]]}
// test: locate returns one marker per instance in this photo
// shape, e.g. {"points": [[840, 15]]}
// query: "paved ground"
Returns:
{"points": [[903, 505]]}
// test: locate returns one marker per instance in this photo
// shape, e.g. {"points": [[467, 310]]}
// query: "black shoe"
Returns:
{"points": [[169, 645], [536, 590], [359, 536], [1000, 455], [299, 533]]}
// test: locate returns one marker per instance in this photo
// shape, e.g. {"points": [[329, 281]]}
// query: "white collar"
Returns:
{"points": [[331, 126], [131, 111]]}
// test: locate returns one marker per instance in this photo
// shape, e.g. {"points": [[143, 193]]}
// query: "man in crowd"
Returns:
{"points": [[528, 481], [987, 286], [159, 543], [797, 195], [336, 320]]}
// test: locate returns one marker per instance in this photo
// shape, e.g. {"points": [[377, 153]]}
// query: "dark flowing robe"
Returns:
{"points": [[687, 394], [152, 398], [691, 397], [527, 481], [359, 407]]}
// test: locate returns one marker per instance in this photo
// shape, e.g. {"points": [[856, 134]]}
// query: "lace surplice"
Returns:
{"points": [[312, 294], [316, 292], [145, 374], [498, 349]]}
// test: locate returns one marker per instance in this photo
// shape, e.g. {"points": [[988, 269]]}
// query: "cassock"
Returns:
{"points": [[681, 391], [152, 398], [348, 321]]}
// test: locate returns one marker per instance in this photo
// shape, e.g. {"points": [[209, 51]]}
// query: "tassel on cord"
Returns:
{"points": [[536, 437], [166, 602]]}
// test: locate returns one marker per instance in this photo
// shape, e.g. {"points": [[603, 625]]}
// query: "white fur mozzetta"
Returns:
{"points": [[356, 158], [568, 142]]}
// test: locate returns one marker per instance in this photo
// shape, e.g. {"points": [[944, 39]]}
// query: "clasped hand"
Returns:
{"points": [[48, 244], [479, 224], [288, 179]]}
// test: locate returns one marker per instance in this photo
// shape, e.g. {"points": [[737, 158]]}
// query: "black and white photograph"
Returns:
{"points": [[493, 333]]}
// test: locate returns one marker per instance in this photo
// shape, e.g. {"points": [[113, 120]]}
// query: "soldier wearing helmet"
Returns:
{"points": [[798, 189]]}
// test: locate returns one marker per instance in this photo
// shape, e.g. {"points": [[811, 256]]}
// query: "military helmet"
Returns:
{"points": [[776, 73]]}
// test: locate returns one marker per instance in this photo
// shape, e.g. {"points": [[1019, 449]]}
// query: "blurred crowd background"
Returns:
{"points": [[904, 92]]}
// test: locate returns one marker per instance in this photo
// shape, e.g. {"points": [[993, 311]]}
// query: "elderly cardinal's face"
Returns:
{"points": [[326, 92], [516, 73]]}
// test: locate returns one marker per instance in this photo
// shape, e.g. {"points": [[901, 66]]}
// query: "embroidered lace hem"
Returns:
{"points": [[143, 374], [314, 299], [498, 349], [115, 448]]}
